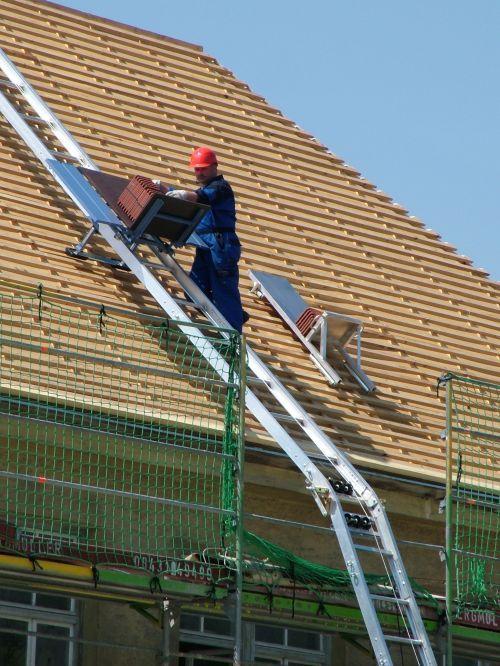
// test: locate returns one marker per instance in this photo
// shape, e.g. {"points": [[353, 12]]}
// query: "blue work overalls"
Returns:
{"points": [[215, 270]]}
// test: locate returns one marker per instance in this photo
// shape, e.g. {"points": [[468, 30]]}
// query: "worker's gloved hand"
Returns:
{"points": [[163, 188], [177, 194]]}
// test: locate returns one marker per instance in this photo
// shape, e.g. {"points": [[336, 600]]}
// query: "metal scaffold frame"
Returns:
{"points": [[472, 500]]}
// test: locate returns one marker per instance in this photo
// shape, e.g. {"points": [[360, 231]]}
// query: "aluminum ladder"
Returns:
{"points": [[350, 485]]}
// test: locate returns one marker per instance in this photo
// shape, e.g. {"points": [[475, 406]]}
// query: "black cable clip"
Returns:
{"points": [[442, 619], [155, 585], [34, 562], [270, 599], [441, 381], [102, 323], [322, 609], [95, 575], [459, 470], [39, 293], [212, 592]]}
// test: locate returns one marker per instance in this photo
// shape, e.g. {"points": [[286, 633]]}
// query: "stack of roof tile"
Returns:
{"points": [[307, 320], [137, 195]]}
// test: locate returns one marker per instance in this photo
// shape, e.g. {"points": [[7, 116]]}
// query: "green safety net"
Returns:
{"points": [[269, 565], [474, 417], [119, 441], [120, 445]]}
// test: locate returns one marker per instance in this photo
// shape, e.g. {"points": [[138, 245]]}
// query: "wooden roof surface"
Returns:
{"points": [[138, 103]]}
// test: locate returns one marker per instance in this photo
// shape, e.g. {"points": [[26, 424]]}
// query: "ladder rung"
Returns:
{"points": [[188, 304], [358, 531], [372, 549], [28, 116], [285, 417], [155, 265], [347, 498], [60, 153], [402, 639], [393, 600], [7, 83], [255, 380]]}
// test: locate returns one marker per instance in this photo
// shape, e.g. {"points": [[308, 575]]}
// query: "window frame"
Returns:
{"points": [[34, 615], [278, 651]]}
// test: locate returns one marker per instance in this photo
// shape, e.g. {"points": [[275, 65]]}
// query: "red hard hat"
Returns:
{"points": [[202, 157]]}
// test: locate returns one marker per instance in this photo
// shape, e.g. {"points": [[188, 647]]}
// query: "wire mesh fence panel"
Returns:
{"points": [[474, 441], [119, 441]]}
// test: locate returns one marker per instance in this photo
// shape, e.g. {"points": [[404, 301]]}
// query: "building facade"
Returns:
{"points": [[138, 102]]}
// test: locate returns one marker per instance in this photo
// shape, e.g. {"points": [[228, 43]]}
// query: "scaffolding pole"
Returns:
{"points": [[238, 619], [170, 621], [449, 527]]}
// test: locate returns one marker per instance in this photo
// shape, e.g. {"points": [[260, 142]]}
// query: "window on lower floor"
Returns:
{"points": [[36, 629], [298, 639], [271, 644], [13, 642], [52, 646]]}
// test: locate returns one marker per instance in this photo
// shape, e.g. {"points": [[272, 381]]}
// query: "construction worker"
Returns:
{"points": [[215, 269]]}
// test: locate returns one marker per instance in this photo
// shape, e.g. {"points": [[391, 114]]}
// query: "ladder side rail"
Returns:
{"points": [[337, 459], [343, 466], [46, 158], [360, 585], [399, 574], [387, 537], [389, 543], [44, 111], [24, 130]]}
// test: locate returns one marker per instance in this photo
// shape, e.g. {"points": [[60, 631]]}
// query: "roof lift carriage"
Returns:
{"points": [[150, 217], [318, 330], [327, 493]]}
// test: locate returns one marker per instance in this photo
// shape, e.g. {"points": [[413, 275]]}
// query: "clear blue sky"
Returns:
{"points": [[405, 92]]}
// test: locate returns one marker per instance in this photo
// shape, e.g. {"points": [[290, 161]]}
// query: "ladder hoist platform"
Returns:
{"points": [[318, 330], [17, 95], [147, 217]]}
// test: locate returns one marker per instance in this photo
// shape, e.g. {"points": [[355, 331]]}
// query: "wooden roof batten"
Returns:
{"points": [[420, 322]]}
